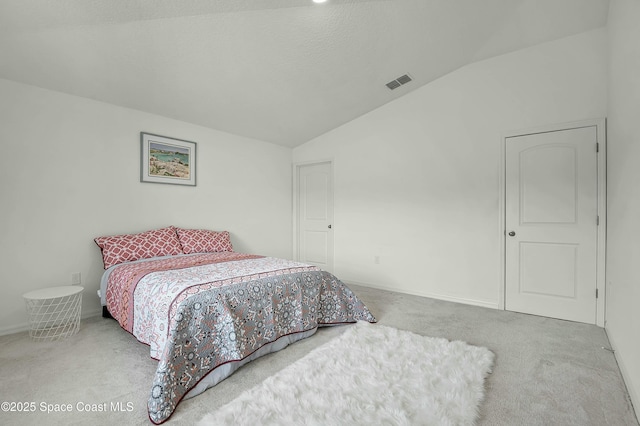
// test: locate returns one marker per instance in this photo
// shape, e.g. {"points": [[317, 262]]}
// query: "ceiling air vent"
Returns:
{"points": [[394, 84]]}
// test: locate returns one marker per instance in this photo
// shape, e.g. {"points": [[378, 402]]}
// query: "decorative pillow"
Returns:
{"points": [[125, 248], [204, 241]]}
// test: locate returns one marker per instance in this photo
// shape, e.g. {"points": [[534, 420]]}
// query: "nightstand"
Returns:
{"points": [[54, 312]]}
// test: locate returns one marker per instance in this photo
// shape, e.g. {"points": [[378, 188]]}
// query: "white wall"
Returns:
{"points": [[416, 181], [623, 255], [70, 171]]}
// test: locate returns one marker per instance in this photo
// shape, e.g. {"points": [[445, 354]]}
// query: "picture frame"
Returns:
{"points": [[167, 160]]}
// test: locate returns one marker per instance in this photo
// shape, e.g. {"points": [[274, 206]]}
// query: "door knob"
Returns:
{"points": [[512, 234], [329, 226]]}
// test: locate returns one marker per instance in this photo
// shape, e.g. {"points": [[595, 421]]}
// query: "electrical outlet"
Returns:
{"points": [[76, 278]]}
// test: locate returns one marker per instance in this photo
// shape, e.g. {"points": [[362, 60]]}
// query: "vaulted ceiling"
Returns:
{"points": [[282, 71]]}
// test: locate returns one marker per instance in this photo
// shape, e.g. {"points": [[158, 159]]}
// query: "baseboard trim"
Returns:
{"points": [[634, 397], [474, 302], [19, 328], [92, 313], [13, 329]]}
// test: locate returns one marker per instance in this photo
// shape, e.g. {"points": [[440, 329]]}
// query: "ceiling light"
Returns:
{"points": [[319, 1]]}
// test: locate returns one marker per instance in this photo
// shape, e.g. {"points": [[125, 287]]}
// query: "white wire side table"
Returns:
{"points": [[54, 312]]}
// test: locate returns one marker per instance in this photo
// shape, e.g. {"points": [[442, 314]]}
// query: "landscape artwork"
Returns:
{"points": [[167, 160]]}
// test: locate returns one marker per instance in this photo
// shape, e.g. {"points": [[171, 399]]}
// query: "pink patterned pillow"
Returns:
{"points": [[203, 241], [126, 248]]}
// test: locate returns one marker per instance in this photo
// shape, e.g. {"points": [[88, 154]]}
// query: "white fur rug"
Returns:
{"points": [[370, 374]]}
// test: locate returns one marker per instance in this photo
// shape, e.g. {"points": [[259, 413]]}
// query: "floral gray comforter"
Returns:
{"points": [[225, 320]]}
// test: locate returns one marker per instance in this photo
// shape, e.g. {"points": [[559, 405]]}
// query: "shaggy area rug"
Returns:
{"points": [[370, 374]]}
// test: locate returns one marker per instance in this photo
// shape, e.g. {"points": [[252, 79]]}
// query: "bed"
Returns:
{"points": [[205, 310]]}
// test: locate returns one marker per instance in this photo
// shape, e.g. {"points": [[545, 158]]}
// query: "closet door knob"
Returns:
{"points": [[512, 234]]}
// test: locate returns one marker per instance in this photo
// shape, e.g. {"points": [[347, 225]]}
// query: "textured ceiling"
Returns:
{"points": [[282, 71]]}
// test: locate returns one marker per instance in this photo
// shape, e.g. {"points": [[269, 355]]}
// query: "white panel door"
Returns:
{"points": [[315, 215], [551, 224]]}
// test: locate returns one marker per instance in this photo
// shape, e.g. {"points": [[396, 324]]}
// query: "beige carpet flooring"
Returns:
{"points": [[546, 372]]}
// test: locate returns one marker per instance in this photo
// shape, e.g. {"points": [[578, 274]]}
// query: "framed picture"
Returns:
{"points": [[167, 160]]}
